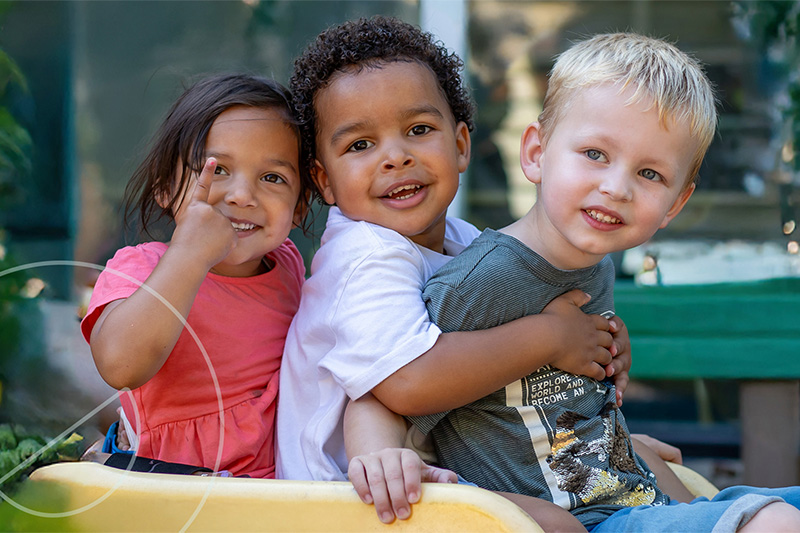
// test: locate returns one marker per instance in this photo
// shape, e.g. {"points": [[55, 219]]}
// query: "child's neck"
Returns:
{"points": [[536, 235]]}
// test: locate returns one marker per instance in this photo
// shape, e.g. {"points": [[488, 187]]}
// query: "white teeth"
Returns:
{"points": [[412, 188], [601, 217], [242, 227]]}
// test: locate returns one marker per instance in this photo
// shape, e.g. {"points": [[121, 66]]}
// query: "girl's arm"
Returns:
{"points": [[466, 365], [133, 337]]}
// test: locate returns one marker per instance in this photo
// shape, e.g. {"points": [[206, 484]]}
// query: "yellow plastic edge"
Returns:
{"points": [[100, 498]]}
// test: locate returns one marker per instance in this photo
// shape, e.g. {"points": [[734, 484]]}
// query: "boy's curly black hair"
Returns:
{"points": [[370, 42]]}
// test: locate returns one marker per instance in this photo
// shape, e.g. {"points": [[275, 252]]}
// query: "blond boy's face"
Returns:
{"points": [[389, 151], [609, 175]]}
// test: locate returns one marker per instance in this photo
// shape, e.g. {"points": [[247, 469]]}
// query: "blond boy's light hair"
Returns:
{"points": [[656, 70]]}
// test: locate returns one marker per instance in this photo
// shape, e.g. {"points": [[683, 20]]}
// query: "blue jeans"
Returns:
{"points": [[730, 509]]}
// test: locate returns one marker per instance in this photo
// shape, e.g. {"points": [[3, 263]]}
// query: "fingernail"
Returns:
{"points": [[386, 518], [368, 499], [413, 497], [403, 513]]}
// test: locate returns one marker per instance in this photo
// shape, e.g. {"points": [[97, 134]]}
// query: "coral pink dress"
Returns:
{"points": [[217, 412]]}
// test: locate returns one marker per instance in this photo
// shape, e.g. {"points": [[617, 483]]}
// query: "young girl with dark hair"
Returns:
{"points": [[192, 330]]}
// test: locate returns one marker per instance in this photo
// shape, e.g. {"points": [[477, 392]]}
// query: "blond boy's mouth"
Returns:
{"points": [[602, 217]]}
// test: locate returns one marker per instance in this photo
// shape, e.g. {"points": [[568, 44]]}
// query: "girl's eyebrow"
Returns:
{"points": [[271, 162]]}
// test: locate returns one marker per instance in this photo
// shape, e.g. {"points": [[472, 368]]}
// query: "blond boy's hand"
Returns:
{"points": [[392, 480], [621, 350], [582, 342]]}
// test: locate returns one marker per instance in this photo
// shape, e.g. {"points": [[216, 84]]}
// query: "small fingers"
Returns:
{"points": [[356, 472], [380, 495], [203, 184], [433, 474]]}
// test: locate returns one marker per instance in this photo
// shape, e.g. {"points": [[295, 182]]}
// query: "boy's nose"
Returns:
{"points": [[240, 192], [617, 186], [397, 157]]}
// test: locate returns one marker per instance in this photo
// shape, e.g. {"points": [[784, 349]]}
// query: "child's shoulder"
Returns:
{"points": [[146, 252], [362, 237], [289, 258]]}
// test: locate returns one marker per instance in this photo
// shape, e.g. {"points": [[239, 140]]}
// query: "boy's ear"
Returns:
{"points": [[463, 145], [676, 208], [321, 178], [531, 152]]}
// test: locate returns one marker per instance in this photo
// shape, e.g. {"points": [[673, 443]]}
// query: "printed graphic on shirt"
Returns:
{"points": [[590, 483], [587, 457]]}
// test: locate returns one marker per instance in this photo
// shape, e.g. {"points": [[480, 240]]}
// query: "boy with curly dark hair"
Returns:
{"points": [[386, 120]]}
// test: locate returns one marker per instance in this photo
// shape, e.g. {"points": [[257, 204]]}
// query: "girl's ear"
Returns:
{"points": [[301, 209], [320, 177], [163, 198], [531, 153], [463, 145], [676, 208]]}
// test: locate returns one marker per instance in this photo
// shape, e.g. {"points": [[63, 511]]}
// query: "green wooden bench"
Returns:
{"points": [[749, 332]]}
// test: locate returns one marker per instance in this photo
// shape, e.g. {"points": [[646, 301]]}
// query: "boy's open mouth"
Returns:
{"points": [[403, 192], [602, 217]]}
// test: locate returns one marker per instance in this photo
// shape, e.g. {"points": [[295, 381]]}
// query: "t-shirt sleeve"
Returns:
{"points": [[448, 310], [123, 274], [378, 319]]}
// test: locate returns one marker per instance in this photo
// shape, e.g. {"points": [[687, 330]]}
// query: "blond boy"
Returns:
{"points": [[614, 156]]}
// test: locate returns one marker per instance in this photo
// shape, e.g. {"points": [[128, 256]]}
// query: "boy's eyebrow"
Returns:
{"points": [[425, 109], [347, 129]]}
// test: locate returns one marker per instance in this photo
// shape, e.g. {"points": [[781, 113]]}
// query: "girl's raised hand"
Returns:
{"points": [[200, 228]]}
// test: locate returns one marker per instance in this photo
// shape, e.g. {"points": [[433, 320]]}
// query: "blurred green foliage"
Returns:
{"points": [[773, 27]]}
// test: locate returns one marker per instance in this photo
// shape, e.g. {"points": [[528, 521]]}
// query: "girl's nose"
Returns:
{"points": [[240, 192], [396, 157], [616, 184]]}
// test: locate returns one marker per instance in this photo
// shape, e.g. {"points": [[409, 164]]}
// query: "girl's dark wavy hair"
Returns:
{"points": [[181, 139], [365, 43]]}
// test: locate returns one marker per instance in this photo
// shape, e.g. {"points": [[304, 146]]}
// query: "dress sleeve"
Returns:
{"points": [[123, 275]]}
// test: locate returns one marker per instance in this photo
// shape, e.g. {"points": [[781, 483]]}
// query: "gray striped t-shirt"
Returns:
{"points": [[551, 434]]}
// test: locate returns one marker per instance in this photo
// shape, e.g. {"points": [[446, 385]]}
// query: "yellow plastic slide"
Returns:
{"points": [[90, 497], [101, 498]]}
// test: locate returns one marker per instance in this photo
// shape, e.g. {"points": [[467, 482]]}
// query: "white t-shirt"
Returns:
{"points": [[361, 318]]}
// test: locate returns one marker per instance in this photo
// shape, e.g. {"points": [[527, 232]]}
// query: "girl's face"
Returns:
{"points": [[256, 183]]}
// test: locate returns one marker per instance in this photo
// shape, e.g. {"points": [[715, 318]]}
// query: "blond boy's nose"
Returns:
{"points": [[617, 186]]}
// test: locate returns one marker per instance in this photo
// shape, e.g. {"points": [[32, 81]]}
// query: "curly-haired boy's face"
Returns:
{"points": [[388, 149]]}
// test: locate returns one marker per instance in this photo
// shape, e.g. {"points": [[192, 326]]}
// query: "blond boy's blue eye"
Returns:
{"points": [[650, 174], [595, 155]]}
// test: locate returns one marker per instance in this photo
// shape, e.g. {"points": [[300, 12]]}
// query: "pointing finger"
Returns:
{"points": [[203, 185]]}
